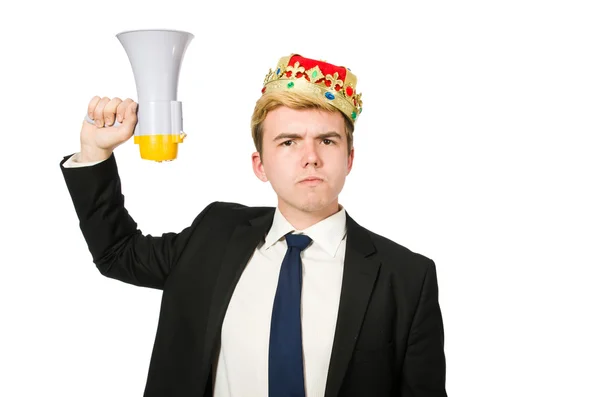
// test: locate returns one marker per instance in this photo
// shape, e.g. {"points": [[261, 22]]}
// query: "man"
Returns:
{"points": [[259, 301]]}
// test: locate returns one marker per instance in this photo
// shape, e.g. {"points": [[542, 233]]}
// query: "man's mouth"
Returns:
{"points": [[311, 181]]}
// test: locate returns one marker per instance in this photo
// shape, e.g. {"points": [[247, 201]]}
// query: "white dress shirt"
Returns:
{"points": [[242, 367]]}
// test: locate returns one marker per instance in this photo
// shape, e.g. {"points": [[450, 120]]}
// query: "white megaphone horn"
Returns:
{"points": [[155, 57]]}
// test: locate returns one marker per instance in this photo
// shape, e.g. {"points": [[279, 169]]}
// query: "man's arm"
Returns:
{"points": [[424, 372], [118, 248]]}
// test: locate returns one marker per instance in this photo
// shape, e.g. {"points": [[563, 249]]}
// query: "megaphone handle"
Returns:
{"points": [[89, 120]]}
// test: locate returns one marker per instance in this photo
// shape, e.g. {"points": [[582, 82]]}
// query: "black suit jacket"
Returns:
{"points": [[389, 336]]}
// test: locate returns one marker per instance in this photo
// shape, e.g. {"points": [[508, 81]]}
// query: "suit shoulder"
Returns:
{"points": [[235, 211], [396, 254]]}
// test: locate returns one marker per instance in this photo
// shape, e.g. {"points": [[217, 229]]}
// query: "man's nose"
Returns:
{"points": [[311, 154]]}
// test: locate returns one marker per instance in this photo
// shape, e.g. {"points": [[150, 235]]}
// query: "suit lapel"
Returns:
{"points": [[360, 272], [238, 252]]}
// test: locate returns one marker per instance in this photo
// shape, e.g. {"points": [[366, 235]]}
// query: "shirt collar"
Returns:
{"points": [[327, 233]]}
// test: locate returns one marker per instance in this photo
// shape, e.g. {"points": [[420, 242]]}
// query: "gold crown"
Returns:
{"points": [[335, 83]]}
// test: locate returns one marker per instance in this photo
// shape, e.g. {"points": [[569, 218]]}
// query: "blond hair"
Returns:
{"points": [[296, 100]]}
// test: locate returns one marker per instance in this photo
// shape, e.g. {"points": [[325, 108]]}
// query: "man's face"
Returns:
{"points": [[300, 144]]}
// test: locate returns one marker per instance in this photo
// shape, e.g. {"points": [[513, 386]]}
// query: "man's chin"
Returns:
{"points": [[309, 202], [313, 205]]}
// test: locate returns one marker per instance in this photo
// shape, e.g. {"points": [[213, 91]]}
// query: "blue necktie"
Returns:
{"points": [[286, 369]]}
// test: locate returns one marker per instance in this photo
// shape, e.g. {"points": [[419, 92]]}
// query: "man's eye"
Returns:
{"points": [[286, 143], [328, 141]]}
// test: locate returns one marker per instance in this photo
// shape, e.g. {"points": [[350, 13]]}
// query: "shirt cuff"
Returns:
{"points": [[72, 162]]}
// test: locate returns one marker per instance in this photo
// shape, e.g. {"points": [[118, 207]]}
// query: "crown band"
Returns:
{"points": [[302, 85]]}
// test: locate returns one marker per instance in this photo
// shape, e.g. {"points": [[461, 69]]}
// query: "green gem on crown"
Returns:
{"points": [[290, 84], [353, 115], [314, 74]]}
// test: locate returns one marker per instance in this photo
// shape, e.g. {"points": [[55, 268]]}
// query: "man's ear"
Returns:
{"points": [[258, 167], [350, 161]]}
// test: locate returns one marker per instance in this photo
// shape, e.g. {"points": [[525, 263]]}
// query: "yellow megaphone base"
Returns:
{"points": [[159, 147]]}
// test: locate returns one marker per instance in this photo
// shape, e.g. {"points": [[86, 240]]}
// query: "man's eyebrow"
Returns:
{"points": [[290, 135], [286, 135], [329, 134]]}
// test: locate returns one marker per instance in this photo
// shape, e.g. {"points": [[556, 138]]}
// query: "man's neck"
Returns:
{"points": [[301, 220]]}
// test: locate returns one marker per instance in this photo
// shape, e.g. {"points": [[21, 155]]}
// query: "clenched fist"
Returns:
{"points": [[98, 140]]}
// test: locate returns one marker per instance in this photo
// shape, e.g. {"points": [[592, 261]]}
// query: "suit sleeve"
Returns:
{"points": [[424, 373], [119, 249]]}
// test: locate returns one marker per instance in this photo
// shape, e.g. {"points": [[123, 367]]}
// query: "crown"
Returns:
{"points": [[337, 84]]}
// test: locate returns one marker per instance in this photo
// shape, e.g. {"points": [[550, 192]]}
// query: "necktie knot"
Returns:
{"points": [[300, 241]]}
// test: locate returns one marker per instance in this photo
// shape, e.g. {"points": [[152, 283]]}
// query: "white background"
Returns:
{"points": [[477, 147]]}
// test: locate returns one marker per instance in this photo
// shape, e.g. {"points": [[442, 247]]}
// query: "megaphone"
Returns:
{"points": [[155, 57]]}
